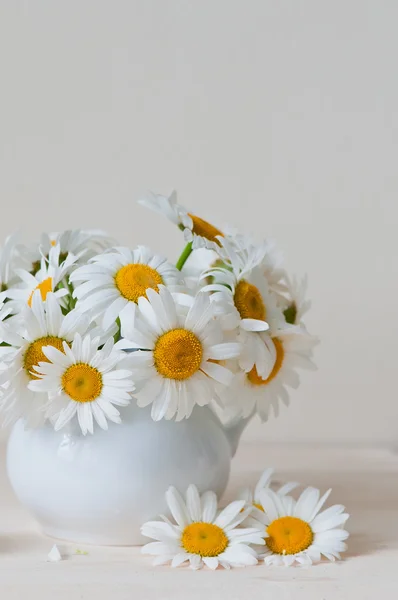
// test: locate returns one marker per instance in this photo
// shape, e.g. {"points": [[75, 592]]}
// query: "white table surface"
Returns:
{"points": [[364, 479]]}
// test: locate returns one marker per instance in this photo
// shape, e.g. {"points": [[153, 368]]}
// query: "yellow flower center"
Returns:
{"points": [[249, 302], [82, 382], [178, 354], [44, 287], [133, 280], [34, 354], [255, 378], [205, 539], [205, 229], [289, 535]]}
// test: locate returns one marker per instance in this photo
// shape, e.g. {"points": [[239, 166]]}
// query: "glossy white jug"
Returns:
{"points": [[99, 489]]}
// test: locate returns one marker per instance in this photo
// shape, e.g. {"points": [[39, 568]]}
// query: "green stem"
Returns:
{"points": [[184, 256]]}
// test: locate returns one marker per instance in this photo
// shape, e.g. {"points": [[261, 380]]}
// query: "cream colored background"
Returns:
{"points": [[276, 116]]}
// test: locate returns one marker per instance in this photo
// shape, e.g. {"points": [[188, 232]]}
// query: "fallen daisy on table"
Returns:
{"points": [[265, 482], [296, 530], [292, 531], [201, 534]]}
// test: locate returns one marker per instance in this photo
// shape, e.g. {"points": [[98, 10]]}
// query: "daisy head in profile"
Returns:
{"points": [[252, 497], [196, 230], [83, 380], [51, 277], [201, 535], [111, 284], [181, 348], [294, 301], [298, 530], [41, 325]]}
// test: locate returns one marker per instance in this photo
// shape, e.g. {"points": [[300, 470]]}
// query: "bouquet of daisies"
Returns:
{"points": [[88, 326]]}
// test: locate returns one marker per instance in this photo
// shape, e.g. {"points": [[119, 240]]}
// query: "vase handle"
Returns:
{"points": [[234, 429]]}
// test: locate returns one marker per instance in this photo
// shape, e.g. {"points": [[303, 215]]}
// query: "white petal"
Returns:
{"points": [[179, 559], [54, 555], [224, 351], [209, 504], [195, 561], [193, 503], [229, 513], [254, 325], [217, 372], [158, 530], [211, 562], [263, 482], [306, 503], [66, 415], [177, 507]]}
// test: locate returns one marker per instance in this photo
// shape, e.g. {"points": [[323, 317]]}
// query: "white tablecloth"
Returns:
{"points": [[364, 479]]}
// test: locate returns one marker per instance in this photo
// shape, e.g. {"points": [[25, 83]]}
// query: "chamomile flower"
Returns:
{"points": [[200, 536], [49, 278], [196, 230], [112, 283], [253, 498], [178, 365], [242, 284], [83, 243], [41, 325], [85, 381], [291, 349], [296, 530], [295, 303]]}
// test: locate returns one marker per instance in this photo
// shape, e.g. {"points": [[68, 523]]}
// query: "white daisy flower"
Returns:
{"points": [[111, 285], [80, 242], [178, 365], [296, 530], [50, 278], [291, 349], [42, 325], [296, 304], [253, 498], [244, 253], [241, 283], [200, 536], [85, 381], [201, 233]]}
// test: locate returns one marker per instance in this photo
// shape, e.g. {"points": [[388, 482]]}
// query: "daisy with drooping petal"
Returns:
{"points": [[265, 481], [291, 349], [41, 325], [49, 278], [85, 381], [296, 303], [178, 364], [241, 283], [196, 230], [296, 530], [200, 536], [112, 283]]}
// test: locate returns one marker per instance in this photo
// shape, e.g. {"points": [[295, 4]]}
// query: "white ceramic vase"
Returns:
{"points": [[99, 489]]}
